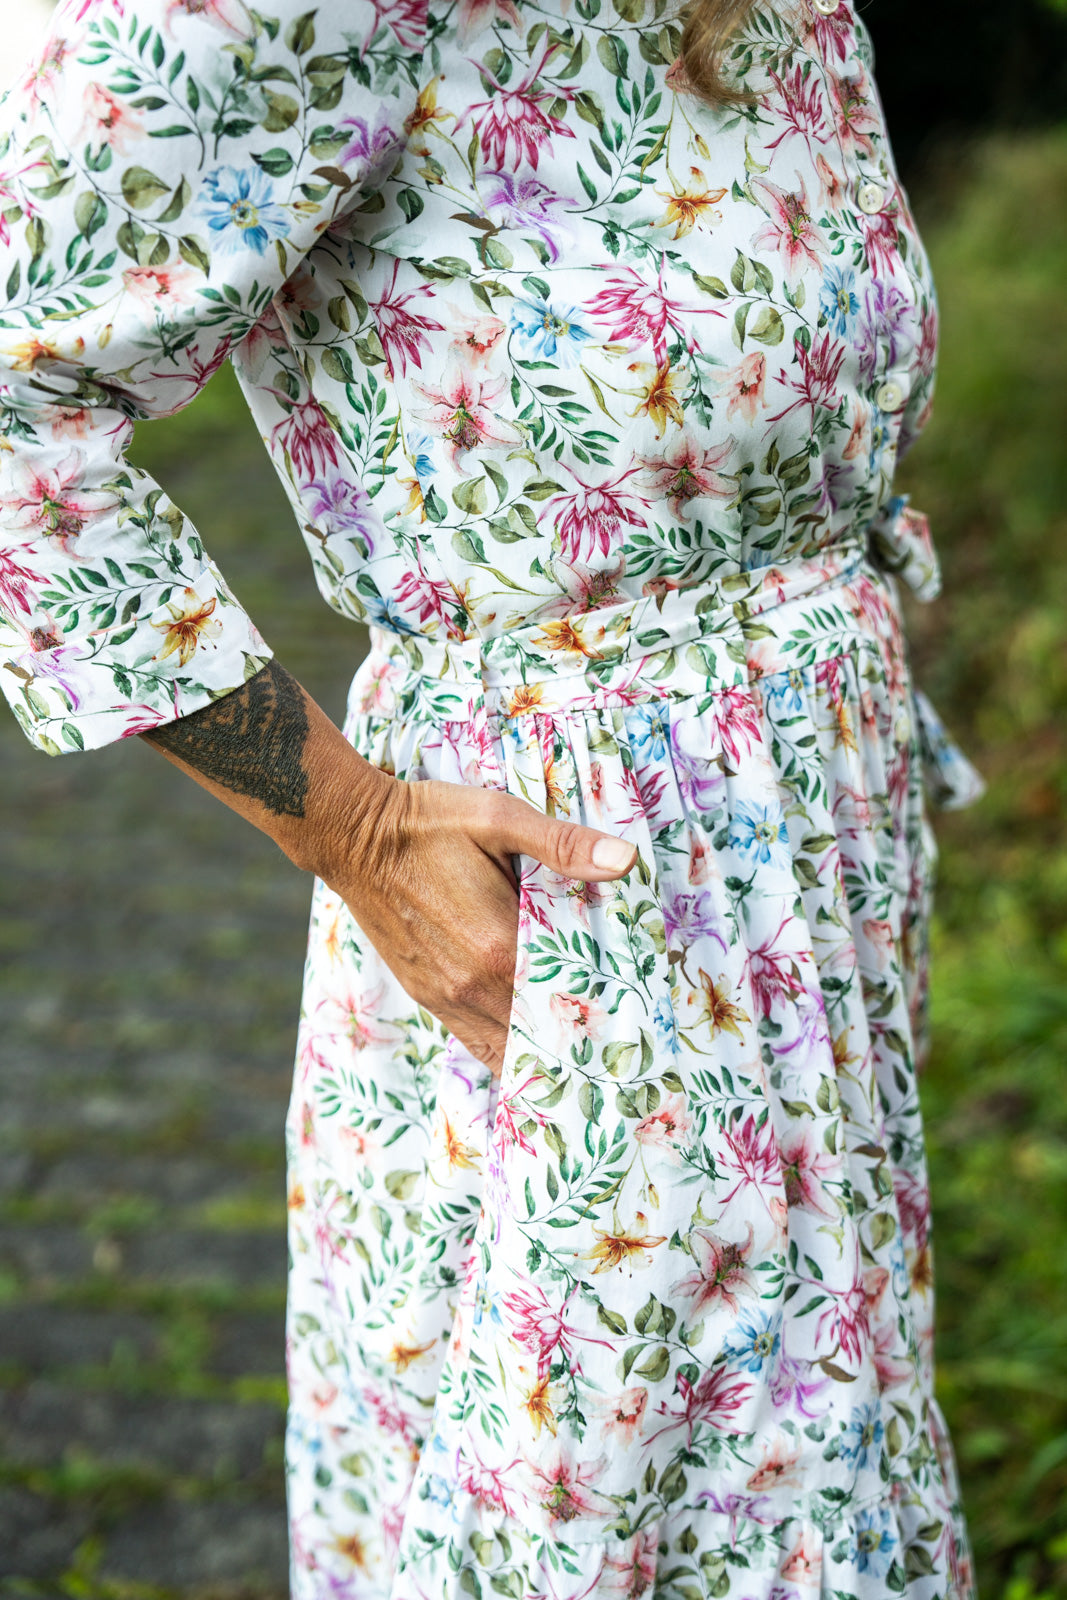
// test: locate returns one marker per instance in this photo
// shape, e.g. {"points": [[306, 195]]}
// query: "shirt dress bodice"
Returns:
{"points": [[527, 329]]}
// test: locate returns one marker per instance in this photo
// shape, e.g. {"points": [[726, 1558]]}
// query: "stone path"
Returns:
{"points": [[150, 957]]}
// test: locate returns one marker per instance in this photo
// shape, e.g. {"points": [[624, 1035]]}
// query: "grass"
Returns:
{"points": [[992, 473]]}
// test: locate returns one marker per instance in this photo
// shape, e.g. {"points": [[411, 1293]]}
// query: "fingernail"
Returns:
{"points": [[612, 855]]}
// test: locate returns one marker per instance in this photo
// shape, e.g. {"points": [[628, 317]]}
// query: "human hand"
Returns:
{"points": [[432, 886]]}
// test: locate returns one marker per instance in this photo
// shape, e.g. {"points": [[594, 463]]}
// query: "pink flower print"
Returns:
{"points": [[309, 438], [578, 1018], [742, 387], [69, 422], [514, 128], [476, 338], [852, 813], [913, 1206], [464, 411], [926, 353], [107, 120], [778, 1467], [713, 1401], [854, 112], [737, 720], [405, 19], [230, 15], [429, 598], [595, 517], [403, 332], [581, 897], [806, 1165], [844, 1323], [790, 229], [881, 240], [820, 368], [488, 1486], [354, 1014], [507, 1130], [630, 1575], [586, 588], [832, 185], [722, 1271], [474, 16], [562, 1486], [50, 501], [543, 1329], [752, 1152], [14, 578], [701, 861], [640, 312], [163, 289], [667, 1128], [773, 974], [620, 1414], [800, 108], [39, 82], [893, 1367], [802, 1563], [830, 34], [685, 471]]}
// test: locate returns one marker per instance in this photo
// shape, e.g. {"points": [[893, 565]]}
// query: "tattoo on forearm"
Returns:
{"points": [[251, 741]]}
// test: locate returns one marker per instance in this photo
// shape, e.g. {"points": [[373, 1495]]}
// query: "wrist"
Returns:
{"points": [[356, 814]]}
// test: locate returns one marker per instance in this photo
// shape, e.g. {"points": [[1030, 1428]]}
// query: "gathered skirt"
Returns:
{"points": [[652, 1315]]}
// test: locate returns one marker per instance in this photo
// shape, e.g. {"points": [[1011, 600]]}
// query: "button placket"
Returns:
{"points": [[870, 196], [891, 395]]}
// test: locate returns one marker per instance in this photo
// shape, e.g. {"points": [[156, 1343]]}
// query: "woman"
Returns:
{"points": [[584, 349]]}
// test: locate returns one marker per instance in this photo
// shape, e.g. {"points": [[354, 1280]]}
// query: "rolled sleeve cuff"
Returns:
{"points": [[195, 646]]}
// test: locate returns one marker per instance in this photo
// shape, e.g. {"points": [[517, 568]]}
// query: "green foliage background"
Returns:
{"points": [[992, 473]]}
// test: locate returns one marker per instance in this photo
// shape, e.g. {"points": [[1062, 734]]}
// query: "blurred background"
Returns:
{"points": [[151, 944]]}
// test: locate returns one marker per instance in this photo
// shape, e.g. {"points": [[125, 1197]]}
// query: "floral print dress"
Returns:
{"points": [[587, 397]]}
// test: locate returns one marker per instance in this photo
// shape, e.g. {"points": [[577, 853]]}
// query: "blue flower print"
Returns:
{"points": [[874, 1541], [863, 1438], [666, 1027], [838, 301], [759, 831], [548, 334], [420, 454], [785, 687], [755, 1340], [239, 209], [650, 731]]}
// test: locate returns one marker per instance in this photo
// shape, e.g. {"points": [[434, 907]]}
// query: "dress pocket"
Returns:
{"points": [[517, 1018]]}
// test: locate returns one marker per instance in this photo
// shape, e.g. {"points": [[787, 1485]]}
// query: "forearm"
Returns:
{"points": [[271, 754]]}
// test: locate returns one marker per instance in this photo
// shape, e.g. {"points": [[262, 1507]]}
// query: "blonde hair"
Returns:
{"points": [[706, 28]]}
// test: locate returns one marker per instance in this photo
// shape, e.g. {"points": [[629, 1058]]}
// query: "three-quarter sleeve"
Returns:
{"points": [[164, 166]]}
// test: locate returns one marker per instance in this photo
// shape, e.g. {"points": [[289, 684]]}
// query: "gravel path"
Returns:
{"points": [[151, 947]]}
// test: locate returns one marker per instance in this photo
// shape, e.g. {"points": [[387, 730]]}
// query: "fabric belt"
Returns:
{"points": [[723, 634], [698, 641]]}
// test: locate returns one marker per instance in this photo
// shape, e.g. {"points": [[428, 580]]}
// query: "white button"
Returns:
{"points": [[826, 8], [891, 395], [870, 197]]}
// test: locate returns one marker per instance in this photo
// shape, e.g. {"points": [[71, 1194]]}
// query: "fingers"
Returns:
{"points": [[568, 848]]}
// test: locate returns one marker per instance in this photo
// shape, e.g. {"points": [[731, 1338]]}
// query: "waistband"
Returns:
{"points": [[720, 634]]}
